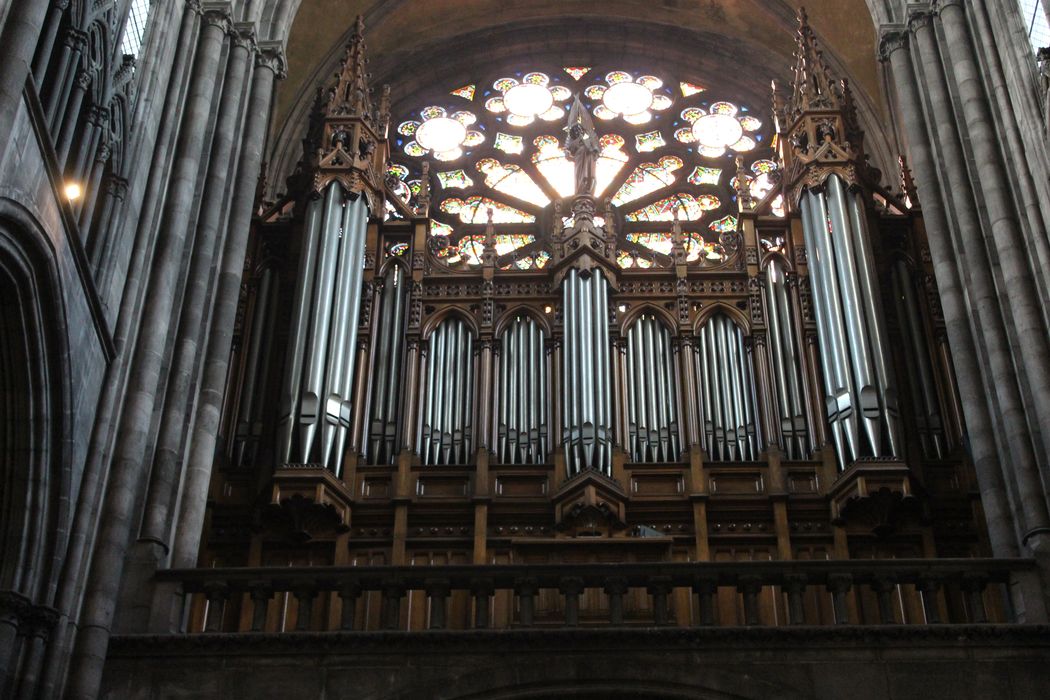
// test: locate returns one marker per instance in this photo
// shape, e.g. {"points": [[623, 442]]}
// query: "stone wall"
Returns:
{"points": [[959, 662]]}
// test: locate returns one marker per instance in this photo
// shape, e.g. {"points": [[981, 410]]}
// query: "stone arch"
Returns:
{"points": [[35, 473]]}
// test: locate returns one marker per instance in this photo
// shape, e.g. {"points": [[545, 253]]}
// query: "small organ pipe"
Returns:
{"points": [[299, 331], [727, 389]]}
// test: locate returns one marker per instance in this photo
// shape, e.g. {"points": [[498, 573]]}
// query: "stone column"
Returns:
{"points": [[1021, 288], [128, 468], [979, 286], [18, 39], [269, 65], [895, 48], [164, 477]]}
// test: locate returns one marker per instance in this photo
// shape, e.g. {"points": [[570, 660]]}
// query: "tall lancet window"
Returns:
{"points": [[447, 417], [727, 392], [135, 28], [521, 395], [384, 411], [652, 393], [786, 364]]}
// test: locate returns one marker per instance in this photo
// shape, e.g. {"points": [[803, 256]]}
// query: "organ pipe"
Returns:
{"points": [[925, 404], [446, 429], [251, 407], [786, 362], [727, 392], [586, 385], [521, 429], [316, 401], [384, 403], [652, 396], [859, 391]]}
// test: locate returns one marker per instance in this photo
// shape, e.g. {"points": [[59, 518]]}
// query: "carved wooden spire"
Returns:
{"points": [[352, 147], [817, 123]]}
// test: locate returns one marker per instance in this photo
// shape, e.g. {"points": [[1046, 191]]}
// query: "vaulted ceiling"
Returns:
{"points": [[415, 45]]}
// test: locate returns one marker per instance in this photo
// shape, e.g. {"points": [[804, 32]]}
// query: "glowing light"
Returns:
{"points": [[72, 191], [628, 98], [441, 134], [528, 99], [717, 130]]}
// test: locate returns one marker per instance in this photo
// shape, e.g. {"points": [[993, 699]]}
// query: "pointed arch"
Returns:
{"points": [[735, 315], [450, 312], [508, 316], [635, 312]]}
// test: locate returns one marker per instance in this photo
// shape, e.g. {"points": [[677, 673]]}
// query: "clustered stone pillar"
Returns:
{"points": [[1009, 477], [129, 466]]}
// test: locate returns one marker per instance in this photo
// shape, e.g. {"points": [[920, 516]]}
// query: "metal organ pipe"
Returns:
{"points": [[925, 406], [324, 332], [447, 423], [522, 426], [652, 404], [586, 415], [787, 369], [857, 375], [390, 331], [727, 392]]}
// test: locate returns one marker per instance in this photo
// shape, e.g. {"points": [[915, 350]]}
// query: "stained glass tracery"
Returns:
{"points": [[666, 145]]}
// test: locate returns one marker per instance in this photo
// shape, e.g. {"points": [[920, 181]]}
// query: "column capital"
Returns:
{"points": [[920, 18], [892, 37], [217, 14], [270, 54], [243, 35]]}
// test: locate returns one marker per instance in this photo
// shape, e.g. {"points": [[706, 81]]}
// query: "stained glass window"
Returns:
{"points": [[647, 178], [475, 210], [665, 144], [135, 29]]}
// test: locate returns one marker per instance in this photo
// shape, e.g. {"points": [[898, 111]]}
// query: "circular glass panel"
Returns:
{"points": [[717, 130], [628, 98], [528, 99], [441, 134]]}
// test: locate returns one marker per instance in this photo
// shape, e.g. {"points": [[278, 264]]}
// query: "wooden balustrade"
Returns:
{"points": [[873, 592]]}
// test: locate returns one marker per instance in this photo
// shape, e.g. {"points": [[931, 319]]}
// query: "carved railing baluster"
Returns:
{"points": [[883, 586], [526, 589], [659, 589], [795, 585], [839, 585], [571, 587], [348, 594], [393, 591], [437, 593], [216, 593], [615, 588], [261, 593], [750, 587], [705, 589], [304, 592], [482, 590], [973, 585], [929, 586]]}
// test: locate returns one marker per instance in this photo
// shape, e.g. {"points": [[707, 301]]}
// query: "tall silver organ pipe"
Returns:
{"points": [[521, 394], [385, 401], [255, 370], [447, 417], [859, 389], [925, 405], [586, 376], [652, 394], [727, 392], [786, 364], [316, 401]]}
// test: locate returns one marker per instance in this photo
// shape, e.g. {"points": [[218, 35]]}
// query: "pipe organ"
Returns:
{"points": [[727, 392], [447, 416], [586, 383], [315, 406], [385, 408], [521, 394], [652, 393], [678, 358], [786, 362]]}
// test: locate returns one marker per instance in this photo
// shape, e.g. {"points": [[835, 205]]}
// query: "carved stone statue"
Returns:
{"points": [[581, 147]]}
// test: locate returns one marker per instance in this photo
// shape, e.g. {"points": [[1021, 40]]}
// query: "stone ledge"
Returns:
{"points": [[802, 638]]}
